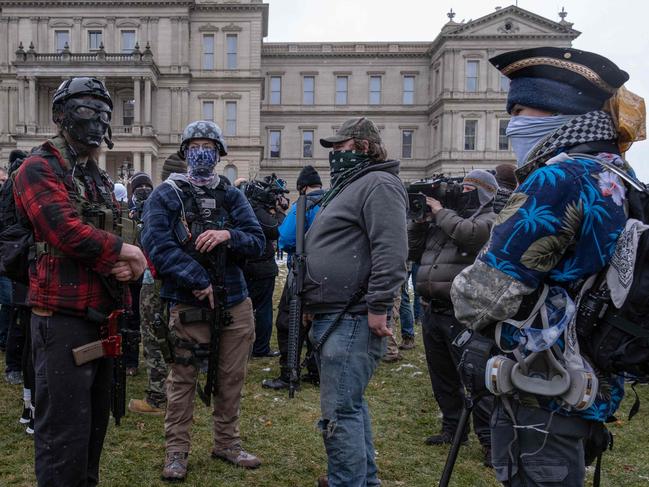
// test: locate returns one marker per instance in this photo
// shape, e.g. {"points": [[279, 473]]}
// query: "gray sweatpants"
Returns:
{"points": [[558, 462]]}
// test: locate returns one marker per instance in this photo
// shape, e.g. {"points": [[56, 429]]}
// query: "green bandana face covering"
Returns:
{"points": [[343, 160]]}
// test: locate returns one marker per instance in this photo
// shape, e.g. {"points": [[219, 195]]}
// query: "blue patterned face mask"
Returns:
{"points": [[525, 132], [200, 164]]}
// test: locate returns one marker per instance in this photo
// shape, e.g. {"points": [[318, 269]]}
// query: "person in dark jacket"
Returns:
{"points": [[356, 262], [309, 184], [178, 236], [260, 274], [451, 239], [506, 177], [79, 259]]}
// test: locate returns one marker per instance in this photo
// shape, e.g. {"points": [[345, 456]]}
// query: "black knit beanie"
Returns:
{"points": [[139, 179], [308, 177], [174, 163]]}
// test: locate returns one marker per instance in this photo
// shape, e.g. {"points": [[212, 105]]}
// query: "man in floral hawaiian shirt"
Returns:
{"points": [[559, 227]]}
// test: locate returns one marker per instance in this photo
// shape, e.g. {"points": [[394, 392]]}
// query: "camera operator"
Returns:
{"points": [[269, 204], [451, 239]]}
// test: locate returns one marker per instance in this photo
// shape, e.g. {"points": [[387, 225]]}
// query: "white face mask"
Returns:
{"points": [[525, 132]]}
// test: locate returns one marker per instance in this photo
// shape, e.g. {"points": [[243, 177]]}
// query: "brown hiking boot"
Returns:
{"points": [[141, 406], [323, 481], [238, 457], [175, 469], [392, 357], [408, 343]]}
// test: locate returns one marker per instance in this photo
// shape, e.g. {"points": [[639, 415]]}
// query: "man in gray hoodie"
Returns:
{"points": [[356, 261]]}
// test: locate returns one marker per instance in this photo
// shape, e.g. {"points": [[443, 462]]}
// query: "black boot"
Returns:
{"points": [[280, 382]]}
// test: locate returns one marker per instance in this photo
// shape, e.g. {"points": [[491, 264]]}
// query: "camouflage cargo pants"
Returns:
{"points": [[156, 368]]}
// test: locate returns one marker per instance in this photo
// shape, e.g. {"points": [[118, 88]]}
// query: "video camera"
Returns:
{"points": [[444, 189], [267, 192]]}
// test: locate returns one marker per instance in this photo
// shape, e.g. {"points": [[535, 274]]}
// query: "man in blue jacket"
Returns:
{"points": [[178, 236], [309, 184]]}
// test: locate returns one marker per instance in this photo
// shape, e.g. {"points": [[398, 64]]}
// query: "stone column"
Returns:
{"points": [[4, 102], [153, 36], [175, 41], [12, 94], [32, 118], [34, 33], [5, 56], [184, 107], [102, 160], [20, 126], [490, 127], [136, 109], [77, 45], [147, 163], [137, 161], [111, 36], [184, 43], [147, 101]]}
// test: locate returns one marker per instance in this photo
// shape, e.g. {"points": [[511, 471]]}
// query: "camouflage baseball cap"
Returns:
{"points": [[354, 128]]}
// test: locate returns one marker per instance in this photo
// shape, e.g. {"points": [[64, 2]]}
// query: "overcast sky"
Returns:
{"points": [[616, 29]]}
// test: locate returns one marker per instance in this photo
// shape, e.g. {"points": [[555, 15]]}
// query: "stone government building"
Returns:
{"points": [[439, 104]]}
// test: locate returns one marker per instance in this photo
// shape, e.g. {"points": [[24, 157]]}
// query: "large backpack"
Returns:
{"points": [[617, 340], [16, 233]]}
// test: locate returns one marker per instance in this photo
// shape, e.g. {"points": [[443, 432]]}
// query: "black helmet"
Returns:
{"points": [[203, 129], [75, 87]]}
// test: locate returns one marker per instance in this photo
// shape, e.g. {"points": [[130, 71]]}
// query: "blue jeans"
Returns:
{"points": [[5, 311], [347, 361], [405, 313]]}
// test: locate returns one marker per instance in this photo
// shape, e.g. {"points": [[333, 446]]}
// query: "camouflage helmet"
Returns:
{"points": [[203, 129]]}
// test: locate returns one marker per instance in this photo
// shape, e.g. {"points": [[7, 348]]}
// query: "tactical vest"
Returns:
{"points": [[203, 209], [102, 214]]}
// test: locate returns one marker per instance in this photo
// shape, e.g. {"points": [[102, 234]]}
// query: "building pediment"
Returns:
{"points": [[208, 28], [94, 23], [231, 96], [61, 23], [511, 20], [208, 95], [127, 23]]}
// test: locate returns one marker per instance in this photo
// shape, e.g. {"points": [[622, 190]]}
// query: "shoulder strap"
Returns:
{"points": [[630, 180]]}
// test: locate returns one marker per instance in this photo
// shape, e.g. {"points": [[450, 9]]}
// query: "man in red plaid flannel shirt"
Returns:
{"points": [[60, 190]]}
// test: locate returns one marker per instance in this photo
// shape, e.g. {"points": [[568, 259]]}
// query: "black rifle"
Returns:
{"points": [[295, 308], [219, 317], [118, 393]]}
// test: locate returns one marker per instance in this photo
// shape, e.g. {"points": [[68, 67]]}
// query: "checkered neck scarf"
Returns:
{"points": [[589, 127]]}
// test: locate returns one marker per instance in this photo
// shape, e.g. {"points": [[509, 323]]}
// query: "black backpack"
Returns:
{"points": [[617, 340], [16, 234]]}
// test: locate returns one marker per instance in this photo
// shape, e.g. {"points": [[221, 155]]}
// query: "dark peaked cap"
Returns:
{"points": [[584, 70]]}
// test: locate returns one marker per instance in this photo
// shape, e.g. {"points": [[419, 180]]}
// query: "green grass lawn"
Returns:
{"points": [[283, 434]]}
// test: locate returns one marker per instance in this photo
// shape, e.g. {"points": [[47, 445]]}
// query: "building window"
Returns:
{"points": [[94, 39], [472, 75], [308, 93], [375, 90], [230, 118], [406, 143], [275, 143], [128, 41], [231, 41], [230, 171], [504, 83], [208, 110], [128, 108], [341, 90], [307, 143], [470, 127], [275, 90], [208, 51], [61, 37], [503, 140], [408, 90]]}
